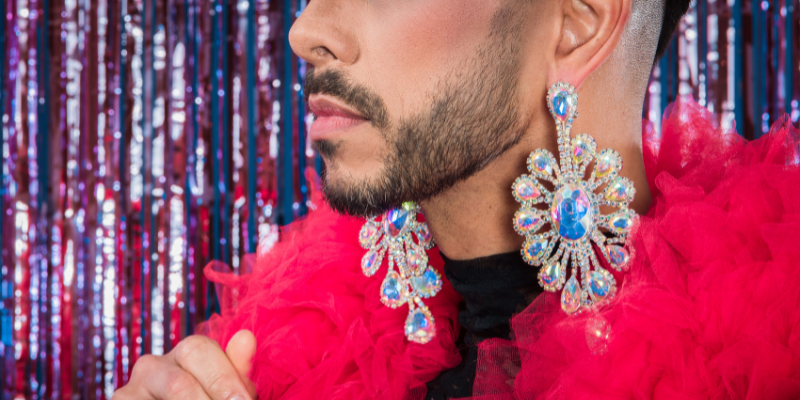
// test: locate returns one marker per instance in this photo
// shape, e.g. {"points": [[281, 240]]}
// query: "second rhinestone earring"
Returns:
{"points": [[565, 252], [410, 279]]}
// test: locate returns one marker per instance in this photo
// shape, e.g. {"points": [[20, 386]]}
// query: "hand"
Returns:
{"points": [[196, 369]]}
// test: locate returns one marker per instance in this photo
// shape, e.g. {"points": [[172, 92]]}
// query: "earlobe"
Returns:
{"points": [[590, 31]]}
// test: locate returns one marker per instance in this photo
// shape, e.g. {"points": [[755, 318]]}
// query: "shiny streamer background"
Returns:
{"points": [[142, 139]]}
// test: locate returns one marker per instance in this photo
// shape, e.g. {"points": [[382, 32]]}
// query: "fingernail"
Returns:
{"points": [[237, 397]]}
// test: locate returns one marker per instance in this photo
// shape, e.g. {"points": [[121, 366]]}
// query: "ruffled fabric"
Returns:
{"points": [[321, 330], [710, 306]]}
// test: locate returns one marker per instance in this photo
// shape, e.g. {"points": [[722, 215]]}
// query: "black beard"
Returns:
{"points": [[473, 119]]}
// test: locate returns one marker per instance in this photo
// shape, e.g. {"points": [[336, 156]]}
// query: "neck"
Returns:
{"points": [[474, 218]]}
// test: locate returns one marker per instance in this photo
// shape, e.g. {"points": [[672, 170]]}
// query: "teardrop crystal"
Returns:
{"points": [[427, 284], [551, 276], [371, 262], [607, 163], [583, 148], [620, 190], [534, 250], [527, 220], [394, 221], [392, 291], [424, 235], [598, 334], [599, 286], [526, 190], [540, 162], [621, 222], [618, 256], [369, 234], [562, 104], [420, 326], [571, 296]]}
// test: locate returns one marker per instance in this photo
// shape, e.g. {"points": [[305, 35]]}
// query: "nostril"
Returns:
{"points": [[322, 51]]}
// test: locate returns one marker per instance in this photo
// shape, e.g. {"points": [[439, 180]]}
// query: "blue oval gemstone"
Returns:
{"points": [[572, 213]]}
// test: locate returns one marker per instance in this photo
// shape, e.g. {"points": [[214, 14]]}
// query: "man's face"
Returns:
{"points": [[411, 96]]}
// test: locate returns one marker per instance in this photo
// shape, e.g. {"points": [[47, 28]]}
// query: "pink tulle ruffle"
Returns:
{"points": [[321, 330], [711, 306]]}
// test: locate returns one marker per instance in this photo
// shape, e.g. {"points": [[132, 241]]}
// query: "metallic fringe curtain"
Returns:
{"points": [[142, 139]]}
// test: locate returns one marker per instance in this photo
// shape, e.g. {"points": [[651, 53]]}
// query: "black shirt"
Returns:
{"points": [[494, 288]]}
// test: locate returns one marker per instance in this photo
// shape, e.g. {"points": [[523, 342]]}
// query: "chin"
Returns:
{"points": [[352, 169], [343, 178], [354, 192]]}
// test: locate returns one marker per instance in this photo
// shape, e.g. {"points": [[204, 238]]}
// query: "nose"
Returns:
{"points": [[324, 34]]}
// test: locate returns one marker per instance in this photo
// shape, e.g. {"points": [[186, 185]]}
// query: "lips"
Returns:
{"points": [[333, 118]]}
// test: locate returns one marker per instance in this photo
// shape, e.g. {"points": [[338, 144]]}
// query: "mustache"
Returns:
{"points": [[334, 83]]}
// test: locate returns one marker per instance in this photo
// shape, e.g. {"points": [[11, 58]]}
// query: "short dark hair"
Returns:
{"points": [[673, 12]]}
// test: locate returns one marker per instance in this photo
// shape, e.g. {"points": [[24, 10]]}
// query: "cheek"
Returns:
{"points": [[413, 45], [437, 25]]}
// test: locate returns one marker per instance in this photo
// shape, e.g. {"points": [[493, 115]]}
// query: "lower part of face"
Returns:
{"points": [[473, 117]]}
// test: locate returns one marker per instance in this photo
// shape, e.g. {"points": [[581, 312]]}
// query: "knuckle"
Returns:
{"points": [[182, 386], [119, 395], [143, 366], [221, 385], [192, 348]]}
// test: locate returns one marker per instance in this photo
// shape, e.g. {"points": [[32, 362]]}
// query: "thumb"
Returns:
{"points": [[240, 351]]}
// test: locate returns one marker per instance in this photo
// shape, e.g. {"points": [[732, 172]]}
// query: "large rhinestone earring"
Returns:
{"points": [[571, 212], [409, 278]]}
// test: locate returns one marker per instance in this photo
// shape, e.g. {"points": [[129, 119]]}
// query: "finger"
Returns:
{"points": [[240, 351], [206, 362], [132, 392], [160, 378]]}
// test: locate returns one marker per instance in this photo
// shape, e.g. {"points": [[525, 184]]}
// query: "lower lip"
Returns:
{"points": [[326, 127]]}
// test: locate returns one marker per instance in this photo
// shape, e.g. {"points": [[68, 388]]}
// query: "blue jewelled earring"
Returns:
{"points": [[573, 212], [409, 279]]}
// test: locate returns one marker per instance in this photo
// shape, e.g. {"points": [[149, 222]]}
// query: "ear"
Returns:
{"points": [[590, 31]]}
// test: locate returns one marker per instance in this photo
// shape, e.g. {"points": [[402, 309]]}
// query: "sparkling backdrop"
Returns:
{"points": [[142, 139]]}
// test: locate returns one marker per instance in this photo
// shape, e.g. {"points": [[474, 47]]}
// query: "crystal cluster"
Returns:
{"points": [[560, 214], [409, 279]]}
